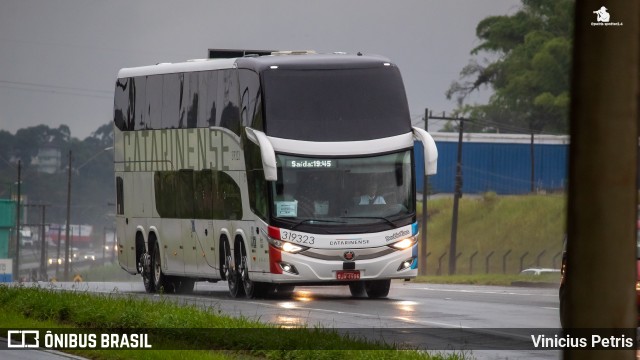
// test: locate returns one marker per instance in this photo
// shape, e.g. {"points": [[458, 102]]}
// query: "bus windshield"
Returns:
{"points": [[340, 192]]}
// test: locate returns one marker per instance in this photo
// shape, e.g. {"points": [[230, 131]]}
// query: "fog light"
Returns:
{"points": [[286, 267], [406, 264]]}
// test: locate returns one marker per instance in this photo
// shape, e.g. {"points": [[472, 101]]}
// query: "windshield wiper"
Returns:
{"points": [[316, 220], [370, 217]]}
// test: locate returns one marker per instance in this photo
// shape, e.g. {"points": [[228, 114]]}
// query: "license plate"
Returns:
{"points": [[348, 274]]}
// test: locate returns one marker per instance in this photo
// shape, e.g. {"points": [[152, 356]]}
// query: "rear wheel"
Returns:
{"points": [[377, 288], [229, 272], [161, 282], [144, 264], [252, 289], [144, 268]]}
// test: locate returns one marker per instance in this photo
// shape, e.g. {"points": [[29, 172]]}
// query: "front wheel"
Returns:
{"points": [[377, 288], [357, 289]]}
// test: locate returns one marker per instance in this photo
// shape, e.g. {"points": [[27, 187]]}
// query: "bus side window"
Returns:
{"points": [[207, 98], [230, 117], [170, 101], [191, 99], [121, 104], [140, 110], [119, 196], [153, 105]]}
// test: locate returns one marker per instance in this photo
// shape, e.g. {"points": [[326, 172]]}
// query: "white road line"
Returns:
{"points": [[484, 292]]}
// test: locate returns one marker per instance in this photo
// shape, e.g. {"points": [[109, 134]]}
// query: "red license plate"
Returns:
{"points": [[348, 274]]}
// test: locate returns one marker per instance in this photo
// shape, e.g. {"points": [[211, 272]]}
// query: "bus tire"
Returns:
{"points": [[144, 264], [230, 272], [161, 282], [377, 288], [144, 267], [357, 289], [251, 289]]}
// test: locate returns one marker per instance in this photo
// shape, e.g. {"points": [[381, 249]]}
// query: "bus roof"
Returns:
{"points": [[260, 63], [168, 68], [312, 61]]}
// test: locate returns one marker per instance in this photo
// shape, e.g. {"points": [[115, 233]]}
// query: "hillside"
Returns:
{"points": [[525, 224]]}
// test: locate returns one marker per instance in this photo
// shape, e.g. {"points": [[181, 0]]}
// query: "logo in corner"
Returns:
{"points": [[20, 338], [603, 15], [603, 18]]}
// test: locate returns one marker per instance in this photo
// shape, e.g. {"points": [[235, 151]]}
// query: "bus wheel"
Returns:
{"points": [[232, 276], [377, 288], [251, 288], [160, 281], [144, 268], [357, 289]]}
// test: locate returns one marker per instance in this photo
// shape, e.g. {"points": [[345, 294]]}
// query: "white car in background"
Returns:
{"points": [[539, 271]]}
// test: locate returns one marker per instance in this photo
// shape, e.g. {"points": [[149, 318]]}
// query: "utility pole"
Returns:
{"points": [[43, 248], [16, 264], [457, 194], [66, 245], [533, 165], [425, 191]]}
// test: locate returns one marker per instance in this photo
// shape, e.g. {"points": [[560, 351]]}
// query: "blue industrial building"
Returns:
{"points": [[498, 162]]}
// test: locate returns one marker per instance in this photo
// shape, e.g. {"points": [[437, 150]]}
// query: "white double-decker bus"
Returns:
{"points": [[268, 172]]}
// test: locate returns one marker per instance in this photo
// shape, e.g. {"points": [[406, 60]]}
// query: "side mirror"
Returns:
{"points": [[430, 150], [267, 153]]}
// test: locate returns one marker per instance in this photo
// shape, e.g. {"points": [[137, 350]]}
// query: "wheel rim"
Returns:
{"points": [[244, 271], [226, 265], [156, 266]]}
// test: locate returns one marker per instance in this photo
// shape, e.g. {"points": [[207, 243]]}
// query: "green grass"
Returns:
{"points": [[550, 280], [47, 308], [524, 224]]}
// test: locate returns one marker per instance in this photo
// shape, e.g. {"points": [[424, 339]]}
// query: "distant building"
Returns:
{"points": [[80, 235], [503, 163], [48, 160], [7, 225]]}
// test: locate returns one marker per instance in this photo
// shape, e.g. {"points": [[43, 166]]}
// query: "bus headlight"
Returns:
{"points": [[274, 239], [405, 243], [286, 246]]}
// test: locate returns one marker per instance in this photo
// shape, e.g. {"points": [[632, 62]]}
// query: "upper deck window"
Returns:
{"points": [[335, 104]]}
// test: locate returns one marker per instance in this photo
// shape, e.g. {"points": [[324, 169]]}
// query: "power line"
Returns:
{"points": [[55, 89]]}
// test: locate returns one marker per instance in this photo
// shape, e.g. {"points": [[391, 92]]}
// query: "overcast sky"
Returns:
{"points": [[59, 58]]}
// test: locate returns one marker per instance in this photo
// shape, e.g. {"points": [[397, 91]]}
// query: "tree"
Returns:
{"points": [[93, 187], [530, 73]]}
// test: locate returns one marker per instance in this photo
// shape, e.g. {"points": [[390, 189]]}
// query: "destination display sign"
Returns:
{"points": [[310, 163]]}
